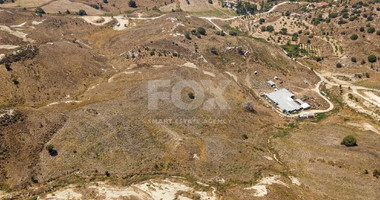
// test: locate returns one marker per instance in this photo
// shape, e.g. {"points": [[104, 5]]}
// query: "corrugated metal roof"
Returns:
{"points": [[284, 99]]}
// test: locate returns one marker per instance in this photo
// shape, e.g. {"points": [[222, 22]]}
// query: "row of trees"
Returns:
{"points": [[41, 11]]}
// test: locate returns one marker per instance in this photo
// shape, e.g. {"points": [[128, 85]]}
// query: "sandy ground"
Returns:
{"points": [[147, 190], [9, 47], [209, 73], [366, 127], [63, 5], [37, 22], [261, 187], [232, 75], [122, 21], [373, 96], [65, 194], [295, 180], [97, 20], [18, 34], [190, 65]]}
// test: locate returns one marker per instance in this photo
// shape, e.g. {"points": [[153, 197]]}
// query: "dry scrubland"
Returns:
{"points": [[75, 120]]}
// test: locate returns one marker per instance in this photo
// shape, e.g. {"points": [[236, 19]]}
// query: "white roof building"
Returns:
{"points": [[284, 100], [303, 104]]}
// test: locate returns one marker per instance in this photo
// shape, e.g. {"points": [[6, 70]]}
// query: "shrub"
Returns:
{"points": [[15, 81], [233, 33], [262, 20], [295, 37], [371, 30], [214, 51], [187, 35], [107, 174], [210, 2], [248, 106], [361, 29], [353, 59], [263, 29], [349, 141], [338, 65], [284, 31], [376, 173], [82, 13], [333, 15], [372, 58], [270, 28], [354, 37], [191, 95], [51, 150], [221, 33], [39, 10], [105, 1], [201, 30], [1, 1], [132, 4], [378, 32], [245, 136], [8, 67]]}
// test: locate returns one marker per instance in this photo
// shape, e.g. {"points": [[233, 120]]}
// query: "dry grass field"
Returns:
{"points": [[76, 121]]}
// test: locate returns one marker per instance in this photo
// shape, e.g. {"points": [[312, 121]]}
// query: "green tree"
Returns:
{"points": [[338, 65], [354, 37], [39, 10], [132, 4], [82, 13], [349, 141], [295, 37], [333, 15], [187, 35], [353, 59], [284, 31], [201, 30], [51, 150], [371, 30], [270, 28], [191, 95], [372, 58], [1, 1]]}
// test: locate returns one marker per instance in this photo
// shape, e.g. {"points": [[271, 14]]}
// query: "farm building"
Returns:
{"points": [[303, 104], [271, 83], [284, 100]]}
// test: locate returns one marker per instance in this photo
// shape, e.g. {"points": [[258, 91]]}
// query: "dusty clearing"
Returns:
{"points": [[63, 5]]}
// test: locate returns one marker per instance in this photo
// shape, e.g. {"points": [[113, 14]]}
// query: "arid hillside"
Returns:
{"points": [[144, 103]]}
